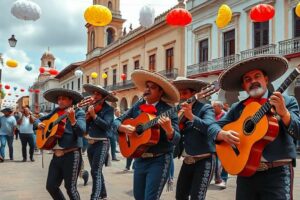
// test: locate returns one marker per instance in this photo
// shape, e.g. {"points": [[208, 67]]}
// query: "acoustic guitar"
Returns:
{"points": [[147, 130], [257, 127], [54, 128]]}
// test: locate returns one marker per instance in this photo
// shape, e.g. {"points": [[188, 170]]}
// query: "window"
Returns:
{"points": [[125, 72], [114, 76], [203, 51], [136, 64], [229, 43], [92, 40], [87, 79], [105, 80], [49, 64], [63, 86], [109, 35], [152, 63], [261, 34], [296, 25], [68, 85], [109, 5], [169, 60], [72, 85], [78, 84]]}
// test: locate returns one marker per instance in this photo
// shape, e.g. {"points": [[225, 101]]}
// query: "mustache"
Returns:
{"points": [[253, 85], [146, 94]]}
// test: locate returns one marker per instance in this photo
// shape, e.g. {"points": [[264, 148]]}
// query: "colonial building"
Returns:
{"points": [[44, 82], [210, 50]]}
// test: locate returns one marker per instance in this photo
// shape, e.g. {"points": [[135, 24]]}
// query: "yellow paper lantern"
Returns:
{"points": [[297, 10], [104, 75], [98, 15], [11, 63], [224, 16], [94, 75]]}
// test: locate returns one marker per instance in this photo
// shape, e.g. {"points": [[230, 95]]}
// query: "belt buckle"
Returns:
{"points": [[58, 152], [262, 167], [189, 160], [147, 155]]}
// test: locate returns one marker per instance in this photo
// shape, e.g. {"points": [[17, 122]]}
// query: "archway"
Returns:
{"points": [[123, 105], [134, 100]]}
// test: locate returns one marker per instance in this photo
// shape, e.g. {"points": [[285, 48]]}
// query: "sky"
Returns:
{"points": [[61, 27]]}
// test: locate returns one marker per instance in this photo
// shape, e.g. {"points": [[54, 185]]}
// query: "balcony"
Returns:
{"points": [[266, 49], [127, 84], [170, 74], [290, 46], [197, 68]]}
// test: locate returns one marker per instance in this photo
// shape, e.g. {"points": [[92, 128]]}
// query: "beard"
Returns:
{"points": [[256, 92]]}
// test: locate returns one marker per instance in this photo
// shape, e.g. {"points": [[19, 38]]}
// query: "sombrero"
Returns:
{"points": [[53, 94], [89, 88], [186, 83], [273, 65], [6, 110], [140, 77]]}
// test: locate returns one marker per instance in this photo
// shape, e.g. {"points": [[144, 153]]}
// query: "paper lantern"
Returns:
{"points": [[53, 72], [179, 17], [0, 85], [37, 91], [28, 67], [123, 76], [94, 75], [98, 15], [262, 13], [15, 88], [22, 90], [26, 10], [7, 87], [297, 10], [31, 90], [104, 75], [11, 63], [78, 73], [42, 70], [9, 94], [17, 95], [224, 16], [147, 16]]}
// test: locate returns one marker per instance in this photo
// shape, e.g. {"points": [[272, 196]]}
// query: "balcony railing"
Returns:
{"points": [[289, 46], [170, 74], [197, 68], [223, 63], [127, 84], [266, 49]]}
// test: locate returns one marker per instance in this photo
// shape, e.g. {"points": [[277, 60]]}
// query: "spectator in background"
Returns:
{"points": [[113, 138], [8, 126], [17, 116]]}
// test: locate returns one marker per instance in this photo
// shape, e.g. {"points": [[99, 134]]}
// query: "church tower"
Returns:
{"points": [[99, 37], [47, 61]]}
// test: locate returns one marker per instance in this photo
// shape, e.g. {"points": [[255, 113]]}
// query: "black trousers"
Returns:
{"points": [[194, 179], [273, 184], [27, 139], [65, 168]]}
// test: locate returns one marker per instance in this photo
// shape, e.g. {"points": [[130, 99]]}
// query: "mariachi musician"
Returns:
{"points": [[196, 148], [151, 170], [66, 162], [100, 116], [274, 176]]}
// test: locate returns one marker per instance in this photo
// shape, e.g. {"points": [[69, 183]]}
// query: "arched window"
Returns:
{"points": [[123, 105], [110, 35], [49, 63], [92, 40], [109, 5]]}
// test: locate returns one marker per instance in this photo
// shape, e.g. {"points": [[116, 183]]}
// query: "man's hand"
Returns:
{"points": [[71, 115], [277, 100], [127, 129], [41, 125], [165, 123], [187, 109], [92, 112], [231, 137]]}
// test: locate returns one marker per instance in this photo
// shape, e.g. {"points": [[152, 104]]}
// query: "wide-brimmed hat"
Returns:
{"points": [[89, 88], [140, 77], [273, 65], [187, 83], [7, 110], [53, 94]]}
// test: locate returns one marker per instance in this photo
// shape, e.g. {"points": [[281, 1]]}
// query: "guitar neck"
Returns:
{"points": [[62, 117], [267, 106]]}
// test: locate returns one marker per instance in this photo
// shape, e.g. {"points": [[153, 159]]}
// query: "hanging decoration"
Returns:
{"points": [[297, 10], [262, 13], [31, 90], [22, 90], [42, 70], [28, 67], [53, 72], [7, 87], [36, 91], [17, 95], [15, 88], [78, 73], [0, 85], [104, 75], [98, 15], [224, 16], [94, 75], [9, 94], [26, 10], [123, 77], [179, 17], [147, 16], [11, 63]]}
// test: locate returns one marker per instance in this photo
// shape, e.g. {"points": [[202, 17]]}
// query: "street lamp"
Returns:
{"points": [[12, 41]]}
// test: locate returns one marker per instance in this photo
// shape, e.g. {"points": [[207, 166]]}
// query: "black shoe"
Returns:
{"points": [[32, 159], [1, 159], [24, 160], [115, 159], [85, 177]]}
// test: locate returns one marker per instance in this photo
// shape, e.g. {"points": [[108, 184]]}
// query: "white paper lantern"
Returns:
{"points": [[147, 16], [26, 10], [78, 73]]}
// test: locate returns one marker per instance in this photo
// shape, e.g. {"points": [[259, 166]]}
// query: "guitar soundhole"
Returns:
{"points": [[49, 130], [139, 129], [249, 126]]}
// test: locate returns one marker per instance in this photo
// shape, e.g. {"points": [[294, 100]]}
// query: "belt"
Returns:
{"points": [[92, 141], [151, 155], [263, 166], [61, 152], [192, 160]]}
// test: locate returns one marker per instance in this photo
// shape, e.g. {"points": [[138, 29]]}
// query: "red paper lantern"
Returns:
{"points": [[31, 90], [262, 13], [53, 72], [179, 17], [123, 76], [22, 90], [0, 85], [42, 70], [37, 91], [7, 87]]}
